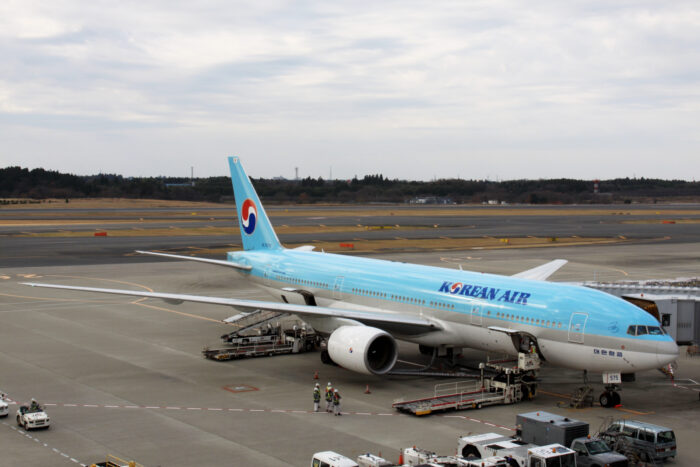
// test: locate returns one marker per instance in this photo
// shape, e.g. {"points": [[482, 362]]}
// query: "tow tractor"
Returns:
{"points": [[32, 416], [505, 384]]}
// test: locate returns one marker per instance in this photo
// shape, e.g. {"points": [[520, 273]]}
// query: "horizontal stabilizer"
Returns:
{"points": [[504, 330], [541, 273], [218, 262]]}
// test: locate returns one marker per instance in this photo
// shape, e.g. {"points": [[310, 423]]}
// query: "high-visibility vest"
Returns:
{"points": [[317, 394], [336, 398], [329, 394]]}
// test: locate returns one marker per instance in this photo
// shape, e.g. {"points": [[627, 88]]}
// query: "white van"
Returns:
{"points": [[331, 459]]}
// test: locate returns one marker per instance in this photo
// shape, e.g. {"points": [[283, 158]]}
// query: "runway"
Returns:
{"points": [[53, 240], [126, 377]]}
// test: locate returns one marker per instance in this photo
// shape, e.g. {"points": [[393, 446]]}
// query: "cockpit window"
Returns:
{"points": [[640, 330]]}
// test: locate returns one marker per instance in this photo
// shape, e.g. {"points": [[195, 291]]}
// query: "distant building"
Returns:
{"points": [[430, 200]]}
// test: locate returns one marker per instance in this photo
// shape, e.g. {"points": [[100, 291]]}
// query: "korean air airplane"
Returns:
{"points": [[362, 306]]}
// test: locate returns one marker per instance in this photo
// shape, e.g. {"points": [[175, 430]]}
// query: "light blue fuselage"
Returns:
{"points": [[574, 326]]}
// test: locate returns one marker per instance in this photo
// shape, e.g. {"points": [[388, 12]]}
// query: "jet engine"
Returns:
{"points": [[363, 349]]}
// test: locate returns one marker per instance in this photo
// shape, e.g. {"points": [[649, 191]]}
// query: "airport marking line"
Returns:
{"points": [[21, 432], [287, 411]]}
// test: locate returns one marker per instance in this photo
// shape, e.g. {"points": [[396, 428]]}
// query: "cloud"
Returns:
{"points": [[518, 90]]}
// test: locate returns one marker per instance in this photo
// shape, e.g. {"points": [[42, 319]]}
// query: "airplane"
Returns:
{"points": [[362, 306]]}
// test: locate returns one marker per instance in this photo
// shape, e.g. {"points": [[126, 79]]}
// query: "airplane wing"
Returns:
{"points": [[541, 273], [218, 262], [401, 323]]}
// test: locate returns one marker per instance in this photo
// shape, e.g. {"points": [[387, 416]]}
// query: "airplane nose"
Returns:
{"points": [[666, 352]]}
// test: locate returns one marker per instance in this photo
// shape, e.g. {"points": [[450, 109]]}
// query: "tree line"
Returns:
{"points": [[17, 182]]}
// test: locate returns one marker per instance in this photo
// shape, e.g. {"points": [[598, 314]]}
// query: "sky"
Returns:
{"points": [[412, 90]]}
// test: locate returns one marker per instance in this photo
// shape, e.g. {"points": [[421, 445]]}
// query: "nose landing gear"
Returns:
{"points": [[610, 397], [583, 396]]}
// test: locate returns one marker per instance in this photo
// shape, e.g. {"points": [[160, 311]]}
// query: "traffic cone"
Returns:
{"points": [[315, 374], [367, 391], [401, 458]]}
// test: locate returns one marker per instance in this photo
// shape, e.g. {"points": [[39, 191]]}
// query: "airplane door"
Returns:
{"points": [[337, 287], [267, 275], [476, 314], [577, 326]]}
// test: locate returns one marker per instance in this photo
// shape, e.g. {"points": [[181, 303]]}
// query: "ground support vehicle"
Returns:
{"points": [[331, 459], [4, 408], [544, 428], [518, 453], [114, 461], [268, 342], [594, 452], [370, 460], [421, 457], [32, 416], [641, 441], [504, 385], [409, 457]]}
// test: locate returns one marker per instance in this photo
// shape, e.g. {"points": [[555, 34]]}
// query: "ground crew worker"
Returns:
{"points": [[34, 407], [336, 402], [329, 397], [317, 396]]}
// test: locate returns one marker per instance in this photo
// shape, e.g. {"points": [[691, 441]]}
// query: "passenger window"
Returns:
{"points": [[647, 436], [536, 463], [316, 463]]}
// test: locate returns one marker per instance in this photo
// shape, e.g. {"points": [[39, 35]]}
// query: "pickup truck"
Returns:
{"points": [[593, 452]]}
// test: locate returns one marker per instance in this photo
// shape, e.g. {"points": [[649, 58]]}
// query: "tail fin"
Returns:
{"points": [[256, 231]]}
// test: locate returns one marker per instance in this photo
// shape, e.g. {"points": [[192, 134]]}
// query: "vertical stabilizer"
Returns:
{"points": [[256, 231]]}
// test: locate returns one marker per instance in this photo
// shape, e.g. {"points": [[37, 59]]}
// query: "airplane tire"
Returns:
{"points": [[326, 358], [615, 399], [605, 399], [527, 391]]}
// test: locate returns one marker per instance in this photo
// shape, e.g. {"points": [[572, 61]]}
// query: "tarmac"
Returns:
{"points": [[125, 376]]}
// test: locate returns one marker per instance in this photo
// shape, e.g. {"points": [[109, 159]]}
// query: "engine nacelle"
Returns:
{"points": [[363, 349]]}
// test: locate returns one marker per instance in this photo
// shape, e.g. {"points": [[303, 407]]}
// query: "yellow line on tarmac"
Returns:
{"points": [[139, 301], [189, 315], [635, 412], [78, 300], [135, 284], [565, 396]]}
